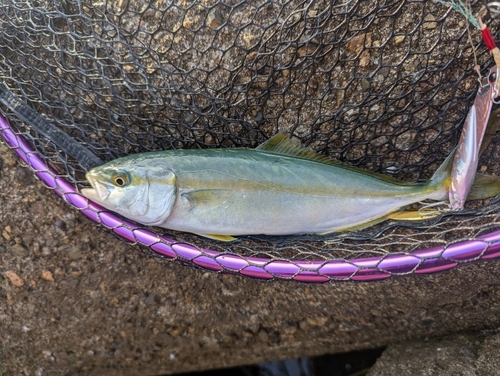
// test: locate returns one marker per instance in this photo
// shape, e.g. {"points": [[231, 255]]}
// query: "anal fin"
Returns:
{"points": [[413, 215], [357, 227], [405, 215], [222, 238]]}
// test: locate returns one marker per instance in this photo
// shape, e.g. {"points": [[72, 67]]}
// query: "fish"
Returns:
{"points": [[278, 188]]}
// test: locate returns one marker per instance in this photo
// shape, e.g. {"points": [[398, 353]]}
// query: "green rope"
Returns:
{"points": [[463, 8]]}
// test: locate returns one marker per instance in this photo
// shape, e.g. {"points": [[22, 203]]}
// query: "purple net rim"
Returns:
{"points": [[432, 260]]}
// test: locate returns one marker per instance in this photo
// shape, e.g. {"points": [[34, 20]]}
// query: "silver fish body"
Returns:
{"points": [[259, 193], [279, 188]]}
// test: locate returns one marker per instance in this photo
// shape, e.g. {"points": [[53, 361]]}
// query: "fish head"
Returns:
{"points": [[141, 192]]}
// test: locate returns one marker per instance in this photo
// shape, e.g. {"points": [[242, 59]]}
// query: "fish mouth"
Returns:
{"points": [[98, 192], [90, 193]]}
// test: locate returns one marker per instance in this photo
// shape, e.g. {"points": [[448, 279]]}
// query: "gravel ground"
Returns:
{"points": [[75, 300]]}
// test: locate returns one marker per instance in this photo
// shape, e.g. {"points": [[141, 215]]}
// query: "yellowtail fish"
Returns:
{"points": [[279, 188]]}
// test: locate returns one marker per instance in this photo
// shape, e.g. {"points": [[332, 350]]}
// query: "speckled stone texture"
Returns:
{"points": [[75, 300]]}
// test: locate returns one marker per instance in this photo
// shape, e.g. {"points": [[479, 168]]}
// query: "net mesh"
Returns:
{"points": [[382, 85]]}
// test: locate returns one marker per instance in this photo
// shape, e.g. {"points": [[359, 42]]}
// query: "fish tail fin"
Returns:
{"points": [[484, 186], [441, 178]]}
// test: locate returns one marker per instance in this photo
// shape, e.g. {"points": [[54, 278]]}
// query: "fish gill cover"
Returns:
{"points": [[382, 85]]}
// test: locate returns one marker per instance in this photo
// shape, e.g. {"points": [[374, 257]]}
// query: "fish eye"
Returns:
{"points": [[121, 180], [493, 77]]}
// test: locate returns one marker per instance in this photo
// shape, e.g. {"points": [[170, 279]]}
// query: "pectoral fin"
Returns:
{"points": [[222, 238], [208, 197]]}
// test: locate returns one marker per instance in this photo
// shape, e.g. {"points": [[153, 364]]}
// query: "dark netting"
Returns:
{"points": [[383, 85]]}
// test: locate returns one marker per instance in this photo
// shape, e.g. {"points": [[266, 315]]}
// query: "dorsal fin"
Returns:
{"points": [[283, 144]]}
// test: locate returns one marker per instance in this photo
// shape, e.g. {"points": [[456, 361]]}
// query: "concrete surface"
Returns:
{"points": [[458, 355], [76, 301]]}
